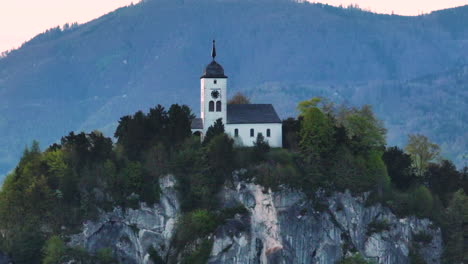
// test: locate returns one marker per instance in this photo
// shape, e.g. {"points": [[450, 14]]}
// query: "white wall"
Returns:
{"points": [[207, 86], [275, 140]]}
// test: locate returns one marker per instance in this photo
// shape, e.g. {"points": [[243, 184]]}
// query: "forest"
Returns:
{"points": [[327, 148]]}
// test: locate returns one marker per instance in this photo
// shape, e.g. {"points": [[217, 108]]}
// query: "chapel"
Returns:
{"points": [[243, 122]]}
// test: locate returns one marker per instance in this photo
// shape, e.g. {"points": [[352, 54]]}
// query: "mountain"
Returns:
{"points": [[85, 77]]}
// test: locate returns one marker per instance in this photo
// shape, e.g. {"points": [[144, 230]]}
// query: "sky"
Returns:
{"points": [[20, 20]]}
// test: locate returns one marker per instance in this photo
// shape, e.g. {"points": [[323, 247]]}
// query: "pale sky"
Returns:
{"points": [[20, 20]]}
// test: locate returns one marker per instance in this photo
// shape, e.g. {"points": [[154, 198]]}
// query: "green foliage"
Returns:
{"points": [[355, 259], [422, 201], [443, 179], [139, 132], [239, 98], [422, 237], [53, 251], [214, 130], [104, 256], [196, 224], [290, 132], [422, 152], [454, 229], [339, 149], [399, 167], [201, 254], [415, 257], [260, 148], [377, 226], [362, 127], [154, 256], [316, 130]]}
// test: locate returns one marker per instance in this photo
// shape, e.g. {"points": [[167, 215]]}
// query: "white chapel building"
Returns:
{"points": [[243, 122]]}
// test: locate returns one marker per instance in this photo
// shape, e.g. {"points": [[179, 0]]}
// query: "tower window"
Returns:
{"points": [[218, 106], [236, 132], [268, 132], [211, 106], [252, 132], [215, 81]]}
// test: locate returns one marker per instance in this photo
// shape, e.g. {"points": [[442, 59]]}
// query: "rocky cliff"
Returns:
{"points": [[281, 227]]}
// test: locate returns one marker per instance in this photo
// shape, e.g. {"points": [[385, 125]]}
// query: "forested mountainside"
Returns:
{"points": [[86, 76], [334, 195]]}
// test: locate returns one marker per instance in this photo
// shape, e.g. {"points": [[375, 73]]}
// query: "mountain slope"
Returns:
{"points": [[138, 56]]}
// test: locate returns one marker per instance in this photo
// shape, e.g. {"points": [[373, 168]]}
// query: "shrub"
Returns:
{"points": [[201, 254], [54, 250], [196, 224], [104, 256], [154, 256], [377, 226], [422, 237], [355, 259], [260, 148], [422, 201]]}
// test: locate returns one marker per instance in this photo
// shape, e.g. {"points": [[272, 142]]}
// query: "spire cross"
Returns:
{"points": [[213, 50]]}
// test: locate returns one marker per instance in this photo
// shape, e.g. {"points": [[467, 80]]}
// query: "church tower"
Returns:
{"points": [[213, 85]]}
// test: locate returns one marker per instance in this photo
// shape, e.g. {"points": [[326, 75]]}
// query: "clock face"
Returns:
{"points": [[215, 94]]}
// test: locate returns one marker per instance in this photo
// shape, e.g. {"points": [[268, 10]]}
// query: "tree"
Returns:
{"points": [[364, 130], [422, 152], [456, 217], [216, 129], [443, 179], [179, 123], [291, 128], [54, 250], [399, 167], [422, 201], [261, 147], [316, 133], [239, 98], [220, 155]]}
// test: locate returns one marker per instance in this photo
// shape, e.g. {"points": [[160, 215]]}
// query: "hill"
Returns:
{"points": [[334, 194], [85, 77]]}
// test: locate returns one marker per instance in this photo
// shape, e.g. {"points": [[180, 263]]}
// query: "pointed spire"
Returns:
{"points": [[213, 50]]}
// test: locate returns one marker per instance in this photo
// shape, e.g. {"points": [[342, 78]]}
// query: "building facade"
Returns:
{"points": [[243, 122]]}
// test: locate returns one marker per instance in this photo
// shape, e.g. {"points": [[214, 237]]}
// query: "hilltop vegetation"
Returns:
{"points": [[85, 77], [328, 148]]}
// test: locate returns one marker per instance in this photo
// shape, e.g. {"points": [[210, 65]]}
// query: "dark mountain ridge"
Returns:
{"points": [[86, 76]]}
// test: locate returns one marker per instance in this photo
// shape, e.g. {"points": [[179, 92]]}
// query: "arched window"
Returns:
{"points": [[268, 132], [218, 106], [211, 106], [236, 132], [252, 132], [215, 81]]}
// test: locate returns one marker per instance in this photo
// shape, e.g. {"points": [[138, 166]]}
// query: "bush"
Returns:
{"points": [[104, 256], [54, 250], [154, 256], [377, 226], [201, 254], [356, 259], [260, 148], [422, 201], [422, 237], [196, 224]]}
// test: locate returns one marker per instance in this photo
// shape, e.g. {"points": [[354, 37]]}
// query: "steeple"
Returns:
{"points": [[213, 50], [214, 69]]}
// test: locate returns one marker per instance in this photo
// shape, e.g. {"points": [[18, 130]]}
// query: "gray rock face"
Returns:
{"points": [[285, 228], [282, 227], [131, 233]]}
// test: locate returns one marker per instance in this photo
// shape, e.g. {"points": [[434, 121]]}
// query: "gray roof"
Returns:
{"points": [[197, 123], [213, 70], [251, 114]]}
